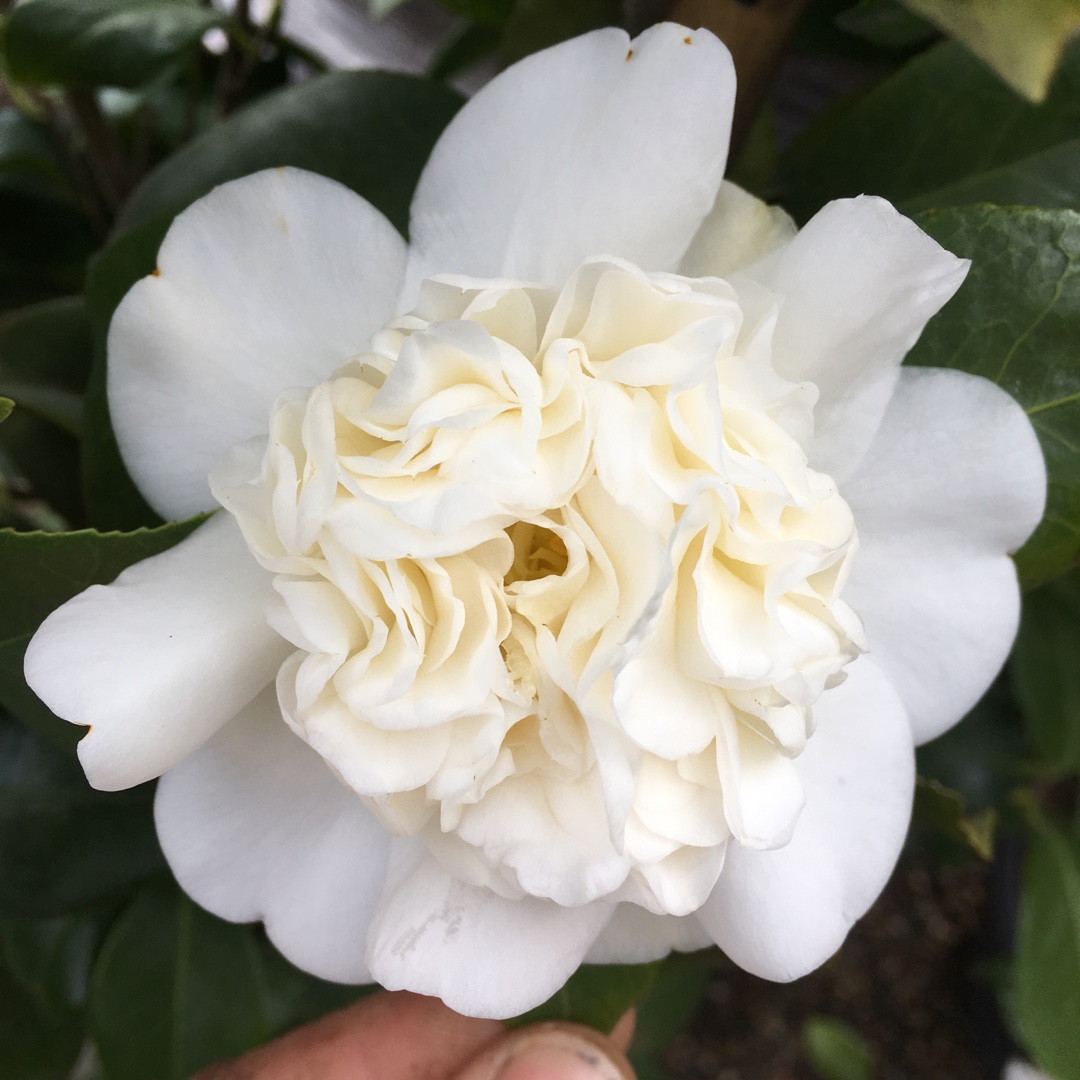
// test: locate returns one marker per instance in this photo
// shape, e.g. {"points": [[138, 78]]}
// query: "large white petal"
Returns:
{"points": [[268, 282], [598, 146], [157, 661], [739, 230], [636, 936], [953, 480], [858, 284], [482, 954], [255, 826], [779, 914]]}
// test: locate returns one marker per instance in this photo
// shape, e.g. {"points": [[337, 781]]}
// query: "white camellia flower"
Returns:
{"points": [[587, 570]]}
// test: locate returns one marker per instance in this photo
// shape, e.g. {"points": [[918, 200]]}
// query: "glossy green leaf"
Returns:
{"points": [[1016, 321], [595, 995], [835, 1050], [1046, 995], [45, 356], [1022, 40], [488, 12], [101, 42], [886, 23], [1046, 672], [43, 460], [538, 24], [982, 757], [379, 9], [941, 811], [6, 406], [26, 154], [667, 1008], [941, 119], [371, 130], [34, 1046], [51, 959], [468, 43], [1049, 179], [175, 989], [64, 845], [41, 571]]}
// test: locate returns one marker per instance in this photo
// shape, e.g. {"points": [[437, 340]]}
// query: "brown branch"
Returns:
{"points": [[104, 151], [757, 36]]}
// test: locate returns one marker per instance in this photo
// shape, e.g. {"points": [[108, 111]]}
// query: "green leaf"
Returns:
{"points": [[596, 995], [982, 757], [468, 43], [45, 356], [941, 810], [1049, 179], [941, 119], [64, 845], [176, 989], [1045, 672], [6, 405], [41, 571], [101, 42], [44, 461], [379, 9], [489, 12], [34, 1046], [1046, 998], [1016, 321], [370, 130], [537, 24], [886, 23], [51, 959], [26, 154], [1022, 40], [667, 1007], [836, 1051]]}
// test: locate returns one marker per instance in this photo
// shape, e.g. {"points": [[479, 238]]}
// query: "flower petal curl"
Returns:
{"points": [[859, 282]]}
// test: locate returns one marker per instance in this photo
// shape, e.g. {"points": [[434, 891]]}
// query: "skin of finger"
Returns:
{"points": [[622, 1034], [555, 1050], [387, 1036]]}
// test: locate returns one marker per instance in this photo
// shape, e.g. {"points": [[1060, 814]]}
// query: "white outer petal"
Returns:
{"points": [[858, 284], [157, 661], [953, 480], [482, 954], [739, 230], [597, 146], [255, 826], [268, 282], [779, 914], [637, 936]]}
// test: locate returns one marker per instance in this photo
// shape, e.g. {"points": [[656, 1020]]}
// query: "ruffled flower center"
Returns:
{"points": [[562, 586]]}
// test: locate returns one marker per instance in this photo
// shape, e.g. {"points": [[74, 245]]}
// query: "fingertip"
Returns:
{"points": [[551, 1051]]}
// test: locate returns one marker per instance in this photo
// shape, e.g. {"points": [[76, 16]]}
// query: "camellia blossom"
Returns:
{"points": [[587, 570]]}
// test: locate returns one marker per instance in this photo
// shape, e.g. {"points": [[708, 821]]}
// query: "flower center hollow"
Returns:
{"points": [[538, 553]]}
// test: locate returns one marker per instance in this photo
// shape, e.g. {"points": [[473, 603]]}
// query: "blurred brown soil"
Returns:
{"points": [[899, 981]]}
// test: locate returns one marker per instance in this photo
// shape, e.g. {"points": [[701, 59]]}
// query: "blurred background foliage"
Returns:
{"points": [[117, 114]]}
